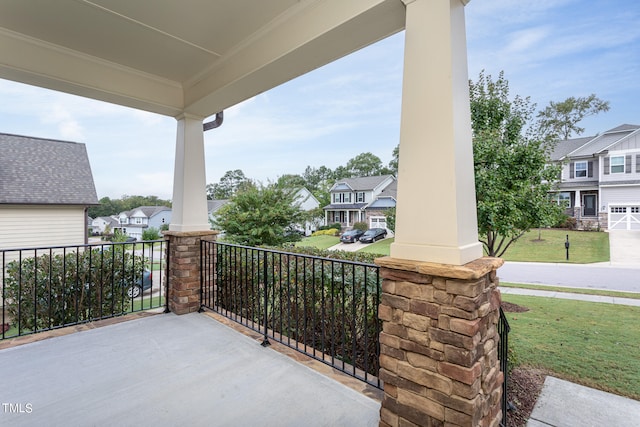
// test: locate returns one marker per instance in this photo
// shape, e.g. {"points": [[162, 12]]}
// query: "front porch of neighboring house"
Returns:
{"points": [[345, 217], [438, 302], [583, 205]]}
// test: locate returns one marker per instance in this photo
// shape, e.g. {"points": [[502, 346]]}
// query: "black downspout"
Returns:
{"points": [[215, 123]]}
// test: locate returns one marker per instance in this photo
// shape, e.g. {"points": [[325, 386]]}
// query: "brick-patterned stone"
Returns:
{"points": [[395, 301], [453, 338], [424, 377], [415, 321], [425, 308], [442, 297], [389, 363], [394, 329], [389, 340], [422, 361], [463, 287], [388, 417], [460, 356], [414, 291], [405, 276], [460, 373], [384, 312], [392, 352], [466, 327], [456, 312], [414, 347], [422, 404], [418, 337], [458, 418]]}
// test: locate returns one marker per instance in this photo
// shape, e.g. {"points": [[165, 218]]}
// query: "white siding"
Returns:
{"points": [[626, 194], [633, 175], [37, 226]]}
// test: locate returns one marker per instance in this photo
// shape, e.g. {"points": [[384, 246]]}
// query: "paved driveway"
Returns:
{"points": [[624, 247]]}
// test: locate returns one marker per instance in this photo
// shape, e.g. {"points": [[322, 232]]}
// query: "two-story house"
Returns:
{"points": [[600, 182], [135, 221], [350, 198]]}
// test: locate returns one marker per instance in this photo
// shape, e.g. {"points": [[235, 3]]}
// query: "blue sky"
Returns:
{"points": [[548, 49]]}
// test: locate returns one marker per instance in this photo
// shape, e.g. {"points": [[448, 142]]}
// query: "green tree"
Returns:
{"points": [[260, 215], [513, 173], [365, 164], [151, 233], [390, 216], [560, 119], [229, 184], [393, 164]]}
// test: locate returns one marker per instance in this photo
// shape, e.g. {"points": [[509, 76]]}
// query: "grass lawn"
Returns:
{"points": [[586, 247], [381, 247], [583, 291], [594, 344], [319, 242]]}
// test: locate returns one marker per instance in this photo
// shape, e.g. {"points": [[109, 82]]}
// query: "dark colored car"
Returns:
{"points": [[351, 236], [373, 235], [134, 291]]}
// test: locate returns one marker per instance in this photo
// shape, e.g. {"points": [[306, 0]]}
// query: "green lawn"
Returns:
{"points": [[583, 291], [381, 247], [319, 242], [585, 247], [594, 344]]}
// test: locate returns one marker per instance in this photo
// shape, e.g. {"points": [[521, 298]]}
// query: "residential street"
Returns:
{"points": [[597, 276]]}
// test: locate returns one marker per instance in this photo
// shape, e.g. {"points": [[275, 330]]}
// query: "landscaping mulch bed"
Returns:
{"points": [[524, 384]]}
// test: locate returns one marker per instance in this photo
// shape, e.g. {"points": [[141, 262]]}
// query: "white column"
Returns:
{"points": [[436, 206], [189, 211]]}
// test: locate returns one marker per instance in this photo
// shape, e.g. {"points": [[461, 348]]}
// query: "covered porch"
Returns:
{"points": [[191, 60], [166, 369]]}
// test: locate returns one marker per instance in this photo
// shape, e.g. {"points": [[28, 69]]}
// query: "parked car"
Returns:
{"points": [[373, 235], [134, 290], [351, 236]]}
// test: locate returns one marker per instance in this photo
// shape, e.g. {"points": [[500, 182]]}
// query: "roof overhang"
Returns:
{"points": [[193, 56]]}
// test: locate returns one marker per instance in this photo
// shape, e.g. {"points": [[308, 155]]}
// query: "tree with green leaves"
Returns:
{"points": [[513, 173], [393, 163], [560, 120], [260, 215], [365, 164], [229, 184]]}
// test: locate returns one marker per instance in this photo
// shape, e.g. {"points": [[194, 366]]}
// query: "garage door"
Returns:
{"points": [[624, 217], [378, 222]]}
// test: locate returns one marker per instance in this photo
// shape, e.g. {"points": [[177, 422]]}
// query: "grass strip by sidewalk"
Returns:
{"points": [[582, 291], [548, 246], [319, 242], [593, 344]]}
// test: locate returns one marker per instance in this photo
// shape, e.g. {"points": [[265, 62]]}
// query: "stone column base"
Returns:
{"points": [[183, 281], [438, 345]]}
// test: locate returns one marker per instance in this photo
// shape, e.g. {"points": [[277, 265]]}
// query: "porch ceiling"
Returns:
{"points": [[193, 56]]}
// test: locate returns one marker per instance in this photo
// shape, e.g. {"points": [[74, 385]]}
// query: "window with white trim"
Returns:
{"points": [[563, 199], [581, 169], [618, 209], [342, 198], [617, 164], [360, 197]]}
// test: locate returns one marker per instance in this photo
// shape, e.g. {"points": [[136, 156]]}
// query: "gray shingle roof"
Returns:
{"points": [[601, 143], [44, 171], [214, 205], [563, 148], [363, 183], [149, 211]]}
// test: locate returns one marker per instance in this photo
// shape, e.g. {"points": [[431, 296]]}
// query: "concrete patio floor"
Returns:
{"points": [[172, 370]]}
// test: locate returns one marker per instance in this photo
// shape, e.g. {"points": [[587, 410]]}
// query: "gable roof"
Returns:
{"points": [[214, 205], [44, 172], [602, 142], [150, 211], [362, 183], [563, 148]]}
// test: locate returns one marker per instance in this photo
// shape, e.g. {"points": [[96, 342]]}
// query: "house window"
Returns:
{"points": [[563, 199], [617, 164], [138, 220], [618, 209], [360, 198], [342, 198], [581, 169]]}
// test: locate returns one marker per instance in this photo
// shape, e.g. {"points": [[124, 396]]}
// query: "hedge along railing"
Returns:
{"points": [[325, 308], [52, 287]]}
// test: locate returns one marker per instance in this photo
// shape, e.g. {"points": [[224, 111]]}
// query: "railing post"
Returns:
{"points": [[265, 341]]}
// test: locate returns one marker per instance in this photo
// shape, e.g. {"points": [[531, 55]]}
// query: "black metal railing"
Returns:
{"points": [[503, 355], [325, 308], [52, 287]]}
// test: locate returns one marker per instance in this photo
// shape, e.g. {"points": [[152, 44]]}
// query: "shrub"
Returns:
{"points": [[151, 234], [335, 225], [54, 290], [362, 226], [329, 232]]}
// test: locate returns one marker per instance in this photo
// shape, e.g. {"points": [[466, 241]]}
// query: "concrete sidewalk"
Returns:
{"points": [[565, 404], [566, 295]]}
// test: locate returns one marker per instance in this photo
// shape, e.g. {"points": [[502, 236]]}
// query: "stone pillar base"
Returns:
{"points": [[183, 284], [439, 343]]}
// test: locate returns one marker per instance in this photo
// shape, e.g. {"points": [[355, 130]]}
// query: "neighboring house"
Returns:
{"points": [[600, 180], [350, 198], [213, 206], [99, 225], [307, 202], [375, 212], [46, 187], [134, 222]]}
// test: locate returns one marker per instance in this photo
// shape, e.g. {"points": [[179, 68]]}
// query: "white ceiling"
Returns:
{"points": [[176, 56]]}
